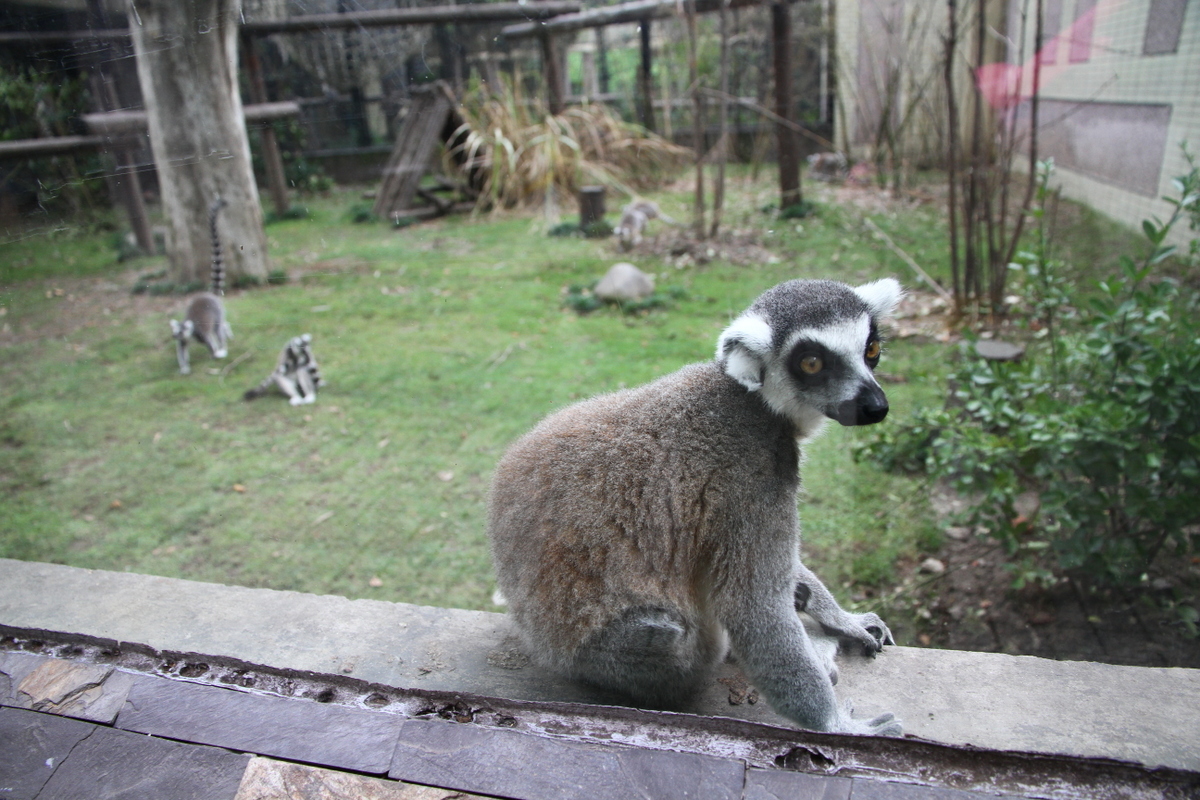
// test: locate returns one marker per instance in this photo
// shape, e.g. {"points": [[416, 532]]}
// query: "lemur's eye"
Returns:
{"points": [[873, 349], [811, 365]]}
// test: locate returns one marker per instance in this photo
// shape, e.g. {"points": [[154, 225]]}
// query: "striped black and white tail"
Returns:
{"points": [[218, 262], [296, 375]]}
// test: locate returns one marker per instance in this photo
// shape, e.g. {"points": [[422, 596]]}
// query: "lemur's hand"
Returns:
{"points": [[866, 630]]}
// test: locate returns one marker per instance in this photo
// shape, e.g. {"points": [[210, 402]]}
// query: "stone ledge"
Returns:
{"points": [[990, 701]]}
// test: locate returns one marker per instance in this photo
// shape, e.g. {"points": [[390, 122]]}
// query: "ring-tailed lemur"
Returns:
{"points": [[633, 221], [296, 374], [205, 318], [639, 534], [831, 167]]}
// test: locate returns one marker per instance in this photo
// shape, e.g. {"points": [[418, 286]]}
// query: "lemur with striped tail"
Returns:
{"points": [[205, 319], [296, 374]]}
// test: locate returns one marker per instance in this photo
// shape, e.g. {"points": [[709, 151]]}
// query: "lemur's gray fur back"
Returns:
{"points": [[639, 534], [205, 319]]}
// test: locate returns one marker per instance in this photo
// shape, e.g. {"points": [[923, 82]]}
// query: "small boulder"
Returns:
{"points": [[624, 282], [932, 566]]}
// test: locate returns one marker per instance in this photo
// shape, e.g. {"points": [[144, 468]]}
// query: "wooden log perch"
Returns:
{"points": [[482, 12], [427, 123], [634, 11], [306, 23], [591, 205], [52, 146], [132, 122]]}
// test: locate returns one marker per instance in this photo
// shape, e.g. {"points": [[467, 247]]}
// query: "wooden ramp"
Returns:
{"points": [[431, 120]]}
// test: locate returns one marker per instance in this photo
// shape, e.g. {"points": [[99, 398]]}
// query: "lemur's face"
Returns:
{"points": [[810, 348], [831, 369]]}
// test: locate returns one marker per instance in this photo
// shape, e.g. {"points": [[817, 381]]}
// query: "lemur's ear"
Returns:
{"points": [[881, 296], [743, 349], [175, 327]]}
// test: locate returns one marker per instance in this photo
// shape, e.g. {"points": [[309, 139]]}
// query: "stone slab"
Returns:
{"points": [[1022, 703], [268, 779], [13, 669], [58, 686], [864, 789], [989, 700], [295, 729], [32, 747], [111, 764], [763, 784], [527, 767]]}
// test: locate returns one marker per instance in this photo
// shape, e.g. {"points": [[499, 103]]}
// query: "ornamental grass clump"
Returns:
{"points": [[526, 154]]}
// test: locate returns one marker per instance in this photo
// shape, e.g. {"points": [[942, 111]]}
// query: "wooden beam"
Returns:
{"points": [[124, 181], [62, 37], [552, 66], [272, 160], [52, 145], [126, 123], [634, 11], [481, 12], [307, 23]]}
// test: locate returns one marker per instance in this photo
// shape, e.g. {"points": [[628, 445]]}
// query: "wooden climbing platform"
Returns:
{"points": [[431, 120]]}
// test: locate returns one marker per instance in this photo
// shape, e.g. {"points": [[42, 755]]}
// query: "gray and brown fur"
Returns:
{"points": [[634, 217], [639, 535], [296, 374], [205, 319]]}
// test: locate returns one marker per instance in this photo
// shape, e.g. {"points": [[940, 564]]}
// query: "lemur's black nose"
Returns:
{"points": [[872, 409], [869, 406]]}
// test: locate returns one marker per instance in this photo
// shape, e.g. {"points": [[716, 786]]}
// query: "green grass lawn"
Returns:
{"points": [[440, 343]]}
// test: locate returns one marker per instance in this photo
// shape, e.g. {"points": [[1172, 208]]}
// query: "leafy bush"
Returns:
{"points": [[301, 174], [32, 107], [1100, 421]]}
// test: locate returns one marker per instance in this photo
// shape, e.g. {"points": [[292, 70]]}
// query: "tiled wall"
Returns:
{"points": [[1120, 92], [1120, 89]]}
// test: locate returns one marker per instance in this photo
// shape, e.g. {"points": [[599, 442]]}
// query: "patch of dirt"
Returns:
{"points": [[88, 303], [963, 599], [94, 302], [679, 248]]}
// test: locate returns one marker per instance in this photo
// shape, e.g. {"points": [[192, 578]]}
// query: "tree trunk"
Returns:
{"points": [[697, 118], [789, 151], [645, 101], [187, 65], [722, 139]]}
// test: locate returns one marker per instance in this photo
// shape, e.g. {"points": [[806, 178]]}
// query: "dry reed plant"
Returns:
{"points": [[527, 154]]}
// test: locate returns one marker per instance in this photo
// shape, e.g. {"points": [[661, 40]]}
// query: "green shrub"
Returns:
{"points": [[1100, 420]]}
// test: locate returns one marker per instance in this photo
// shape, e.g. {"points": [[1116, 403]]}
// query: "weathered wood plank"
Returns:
{"points": [[634, 11], [416, 145], [483, 12]]}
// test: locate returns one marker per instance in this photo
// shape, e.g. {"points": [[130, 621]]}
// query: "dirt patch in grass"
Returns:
{"points": [[680, 248], [88, 302], [973, 607], [964, 600]]}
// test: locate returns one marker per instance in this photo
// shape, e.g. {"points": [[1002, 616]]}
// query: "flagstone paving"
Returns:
{"points": [[173, 739], [124, 686]]}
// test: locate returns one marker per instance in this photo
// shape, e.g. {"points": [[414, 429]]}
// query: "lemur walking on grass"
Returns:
{"points": [[205, 319]]}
